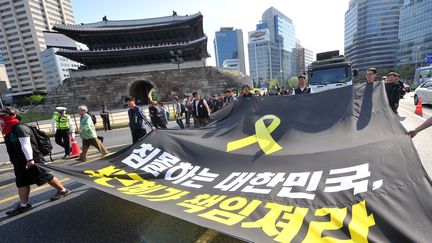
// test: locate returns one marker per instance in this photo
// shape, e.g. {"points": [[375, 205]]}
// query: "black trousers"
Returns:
{"points": [[62, 139], [137, 134], [106, 123], [188, 117], [180, 122]]}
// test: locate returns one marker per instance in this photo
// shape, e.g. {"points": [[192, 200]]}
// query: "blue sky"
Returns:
{"points": [[319, 24]]}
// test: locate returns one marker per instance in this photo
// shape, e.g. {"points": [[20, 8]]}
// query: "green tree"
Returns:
{"points": [[293, 82], [33, 100], [273, 84]]}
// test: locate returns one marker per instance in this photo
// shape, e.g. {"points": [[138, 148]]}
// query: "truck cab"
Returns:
{"points": [[330, 71]]}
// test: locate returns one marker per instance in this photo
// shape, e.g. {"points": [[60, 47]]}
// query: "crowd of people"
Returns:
{"points": [[24, 153]]}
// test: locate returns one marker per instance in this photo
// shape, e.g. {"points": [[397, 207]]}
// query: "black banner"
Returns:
{"points": [[334, 166]]}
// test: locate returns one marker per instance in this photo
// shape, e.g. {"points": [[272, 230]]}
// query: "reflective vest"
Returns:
{"points": [[61, 122]]}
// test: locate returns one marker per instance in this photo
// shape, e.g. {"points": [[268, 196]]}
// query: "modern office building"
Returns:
{"points": [[371, 33], [264, 57], [56, 68], [228, 45], [282, 32], [22, 25], [415, 33], [304, 58]]}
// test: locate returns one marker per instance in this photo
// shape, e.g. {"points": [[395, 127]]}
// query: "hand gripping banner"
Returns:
{"points": [[335, 166]]}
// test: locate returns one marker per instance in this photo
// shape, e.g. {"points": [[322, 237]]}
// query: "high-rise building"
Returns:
{"points": [[371, 33], [304, 58], [264, 57], [21, 39], [228, 44], [415, 32], [282, 32], [56, 68]]}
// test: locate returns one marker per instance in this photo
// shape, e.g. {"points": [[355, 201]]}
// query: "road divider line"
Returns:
{"points": [[63, 160], [34, 190], [7, 185], [412, 114], [207, 237]]}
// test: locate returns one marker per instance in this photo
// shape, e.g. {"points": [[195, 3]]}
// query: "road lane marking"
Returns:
{"points": [[7, 185], [63, 160], [33, 190], [414, 115], [208, 236]]}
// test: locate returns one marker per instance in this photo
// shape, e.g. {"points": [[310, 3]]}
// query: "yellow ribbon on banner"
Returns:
{"points": [[262, 136]]}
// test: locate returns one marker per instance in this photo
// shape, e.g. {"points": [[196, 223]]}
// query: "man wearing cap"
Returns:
{"points": [[21, 145], [302, 88], [62, 126], [137, 120]]}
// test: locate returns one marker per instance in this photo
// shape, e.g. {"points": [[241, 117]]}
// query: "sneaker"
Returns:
{"points": [[80, 160], [60, 194], [105, 155], [19, 209], [66, 157]]}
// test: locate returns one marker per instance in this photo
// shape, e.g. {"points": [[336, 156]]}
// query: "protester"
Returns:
{"points": [[393, 91], [218, 103], [62, 126], [201, 110], [423, 126], [153, 112], [229, 98], [88, 134], [178, 112], [257, 93], [22, 148], [189, 113], [137, 120], [163, 115], [302, 87], [105, 118], [371, 75], [209, 102], [246, 91]]}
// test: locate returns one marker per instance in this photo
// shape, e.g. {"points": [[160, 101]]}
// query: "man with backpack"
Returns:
{"points": [[25, 154], [94, 120]]}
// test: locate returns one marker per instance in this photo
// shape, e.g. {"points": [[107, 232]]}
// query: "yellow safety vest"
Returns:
{"points": [[62, 122]]}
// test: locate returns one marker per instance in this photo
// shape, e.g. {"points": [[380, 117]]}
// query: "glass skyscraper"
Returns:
{"points": [[282, 32], [264, 57], [415, 32], [228, 44], [371, 33]]}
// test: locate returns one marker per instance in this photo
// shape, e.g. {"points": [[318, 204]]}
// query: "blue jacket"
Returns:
{"points": [[137, 119]]}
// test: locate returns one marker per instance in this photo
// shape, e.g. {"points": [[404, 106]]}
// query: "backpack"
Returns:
{"points": [[44, 145], [93, 117]]}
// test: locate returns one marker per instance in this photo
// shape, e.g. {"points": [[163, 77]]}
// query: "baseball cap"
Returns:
{"points": [[60, 108]]}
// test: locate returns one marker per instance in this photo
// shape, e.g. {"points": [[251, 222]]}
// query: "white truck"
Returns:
{"points": [[330, 71]]}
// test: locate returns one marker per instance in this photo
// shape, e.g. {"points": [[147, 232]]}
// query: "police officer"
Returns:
{"points": [[137, 120], [302, 88], [62, 126]]}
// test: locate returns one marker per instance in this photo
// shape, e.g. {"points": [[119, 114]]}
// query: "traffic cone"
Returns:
{"points": [[76, 151], [419, 108]]}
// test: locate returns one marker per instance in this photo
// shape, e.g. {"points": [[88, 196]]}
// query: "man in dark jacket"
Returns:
{"points": [[137, 120], [201, 110], [21, 145], [393, 91], [302, 87]]}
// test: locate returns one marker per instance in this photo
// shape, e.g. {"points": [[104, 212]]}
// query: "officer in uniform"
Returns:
{"points": [[62, 126]]}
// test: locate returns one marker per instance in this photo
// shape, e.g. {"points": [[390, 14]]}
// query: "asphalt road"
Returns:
{"points": [[88, 215]]}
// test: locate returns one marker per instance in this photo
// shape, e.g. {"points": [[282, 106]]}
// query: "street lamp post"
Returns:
{"points": [[176, 58]]}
